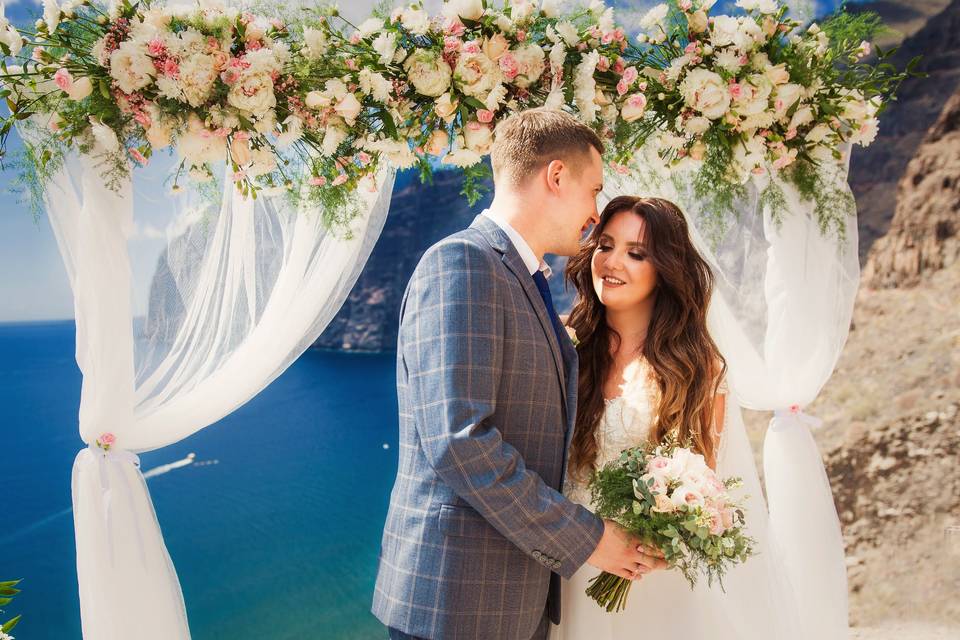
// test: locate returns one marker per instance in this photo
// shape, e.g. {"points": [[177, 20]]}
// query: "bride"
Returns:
{"points": [[648, 367]]}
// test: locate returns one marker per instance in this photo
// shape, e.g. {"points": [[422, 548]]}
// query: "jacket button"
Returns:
{"points": [[556, 564], [537, 554]]}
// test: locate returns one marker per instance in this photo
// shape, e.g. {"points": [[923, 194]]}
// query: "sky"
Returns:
{"points": [[33, 281]]}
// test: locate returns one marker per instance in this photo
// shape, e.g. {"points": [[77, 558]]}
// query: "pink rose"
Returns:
{"points": [[339, 180], [355, 38], [473, 46], [363, 158], [485, 115], [171, 68], [619, 65], [716, 522], [157, 47], [685, 5], [142, 119], [521, 35], [607, 37], [317, 181], [603, 64], [630, 74], [509, 66], [454, 27], [107, 439], [736, 90], [63, 79], [451, 44], [691, 48]]}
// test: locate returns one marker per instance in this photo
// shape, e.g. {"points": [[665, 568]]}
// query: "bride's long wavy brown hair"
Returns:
{"points": [[686, 363]]}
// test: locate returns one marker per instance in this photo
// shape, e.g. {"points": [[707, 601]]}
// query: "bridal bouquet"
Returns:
{"points": [[668, 497]]}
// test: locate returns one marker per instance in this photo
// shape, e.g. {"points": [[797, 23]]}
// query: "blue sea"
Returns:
{"points": [[274, 530]]}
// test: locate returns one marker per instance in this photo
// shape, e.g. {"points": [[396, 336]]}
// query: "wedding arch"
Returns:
{"points": [[288, 134]]}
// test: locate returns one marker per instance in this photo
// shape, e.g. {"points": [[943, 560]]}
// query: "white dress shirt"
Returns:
{"points": [[529, 258]]}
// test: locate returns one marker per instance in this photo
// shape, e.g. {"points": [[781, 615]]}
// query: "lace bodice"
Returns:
{"points": [[625, 423]]}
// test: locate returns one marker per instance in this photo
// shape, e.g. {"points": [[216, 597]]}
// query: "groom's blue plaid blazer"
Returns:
{"points": [[477, 530]]}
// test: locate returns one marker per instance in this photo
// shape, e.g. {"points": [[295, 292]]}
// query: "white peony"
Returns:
{"points": [[706, 92], [530, 64], [476, 74], [198, 145], [429, 73], [386, 45], [253, 94], [131, 67], [198, 74]]}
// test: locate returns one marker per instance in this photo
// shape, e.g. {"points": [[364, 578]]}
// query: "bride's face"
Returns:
{"points": [[623, 275]]}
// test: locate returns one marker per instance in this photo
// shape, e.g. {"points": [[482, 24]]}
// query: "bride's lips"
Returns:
{"points": [[610, 281]]}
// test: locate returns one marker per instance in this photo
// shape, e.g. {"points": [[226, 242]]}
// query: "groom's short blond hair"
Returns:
{"points": [[529, 140]]}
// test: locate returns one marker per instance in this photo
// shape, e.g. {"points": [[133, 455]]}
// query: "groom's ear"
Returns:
{"points": [[555, 173]]}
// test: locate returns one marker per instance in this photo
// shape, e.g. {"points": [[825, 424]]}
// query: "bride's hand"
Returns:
{"points": [[653, 559]]}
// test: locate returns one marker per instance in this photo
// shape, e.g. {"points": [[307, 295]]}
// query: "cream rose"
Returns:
{"points": [[633, 107], [530, 60], [494, 47], [438, 143], [349, 108], [466, 9], [446, 107], [478, 137], [706, 92]]}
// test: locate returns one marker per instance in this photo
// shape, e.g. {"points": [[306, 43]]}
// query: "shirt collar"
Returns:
{"points": [[523, 248]]}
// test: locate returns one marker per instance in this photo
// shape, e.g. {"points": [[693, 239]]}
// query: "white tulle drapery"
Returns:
{"points": [[242, 288], [780, 314]]}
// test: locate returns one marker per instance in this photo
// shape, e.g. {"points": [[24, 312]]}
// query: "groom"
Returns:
{"points": [[478, 533]]}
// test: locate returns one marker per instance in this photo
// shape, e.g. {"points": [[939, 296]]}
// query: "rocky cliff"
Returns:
{"points": [[875, 172]]}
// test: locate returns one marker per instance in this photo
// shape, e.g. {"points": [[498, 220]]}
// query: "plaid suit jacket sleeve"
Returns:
{"points": [[451, 340]]}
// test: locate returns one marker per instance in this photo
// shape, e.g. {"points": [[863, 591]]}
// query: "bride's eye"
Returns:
{"points": [[639, 256], [604, 247]]}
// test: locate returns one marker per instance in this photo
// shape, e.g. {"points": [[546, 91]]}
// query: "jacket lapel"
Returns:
{"points": [[511, 257]]}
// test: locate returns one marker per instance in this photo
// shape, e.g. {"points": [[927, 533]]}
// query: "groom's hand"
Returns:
{"points": [[621, 554]]}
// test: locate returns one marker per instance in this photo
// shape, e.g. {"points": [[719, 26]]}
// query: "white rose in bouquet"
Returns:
{"points": [[802, 116], [654, 18], [476, 74], [349, 108], [81, 88], [131, 67], [696, 125], [429, 73], [466, 9], [724, 31], [375, 84], [785, 97], [819, 133], [706, 92], [51, 15], [446, 107]]}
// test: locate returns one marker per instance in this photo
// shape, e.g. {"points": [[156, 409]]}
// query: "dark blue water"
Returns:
{"points": [[278, 539]]}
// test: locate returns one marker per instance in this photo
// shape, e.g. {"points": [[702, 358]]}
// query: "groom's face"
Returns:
{"points": [[574, 206]]}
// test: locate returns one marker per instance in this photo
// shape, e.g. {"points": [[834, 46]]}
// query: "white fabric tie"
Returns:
{"points": [[785, 418]]}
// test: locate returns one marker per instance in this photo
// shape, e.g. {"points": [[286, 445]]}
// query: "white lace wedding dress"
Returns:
{"points": [[756, 605]]}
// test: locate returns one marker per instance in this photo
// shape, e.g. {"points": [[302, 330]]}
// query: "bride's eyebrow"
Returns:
{"points": [[636, 245]]}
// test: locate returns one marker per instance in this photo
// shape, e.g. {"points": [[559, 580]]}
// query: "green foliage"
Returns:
{"points": [[7, 591]]}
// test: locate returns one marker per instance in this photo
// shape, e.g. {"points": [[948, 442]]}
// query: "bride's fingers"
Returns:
{"points": [[650, 551]]}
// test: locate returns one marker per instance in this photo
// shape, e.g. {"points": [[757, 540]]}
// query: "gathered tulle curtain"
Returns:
{"points": [[780, 315], [241, 289]]}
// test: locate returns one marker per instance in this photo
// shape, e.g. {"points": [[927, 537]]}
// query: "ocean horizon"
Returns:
{"points": [[274, 528]]}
